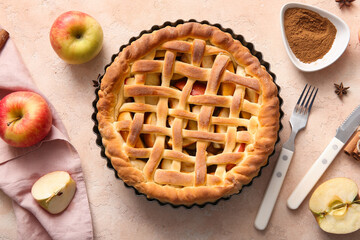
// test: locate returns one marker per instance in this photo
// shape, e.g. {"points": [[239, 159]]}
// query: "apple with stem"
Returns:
{"points": [[336, 207], [54, 191], [25, 118], [76, 37]]}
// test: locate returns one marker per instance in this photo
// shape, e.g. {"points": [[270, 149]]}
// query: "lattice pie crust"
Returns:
{"points": [[187, 114]]}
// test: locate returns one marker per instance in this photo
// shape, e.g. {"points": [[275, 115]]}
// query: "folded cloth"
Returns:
{"points": [[21, 167]]}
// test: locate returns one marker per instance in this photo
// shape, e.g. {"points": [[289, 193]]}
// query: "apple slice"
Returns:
{"points": [[251, 96], [152, 79], [191, 125], [127, 116], [241, 149], [129, 81], [224, 112], [149, 139], [207, 61], [335, 207], [54, 191], [173, 104], [186, 58], [187, 167], [198, 87], [228, 89]]}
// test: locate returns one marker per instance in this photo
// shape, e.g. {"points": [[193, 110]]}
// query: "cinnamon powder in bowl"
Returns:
{"points": [[310, 35], [313, 38]]}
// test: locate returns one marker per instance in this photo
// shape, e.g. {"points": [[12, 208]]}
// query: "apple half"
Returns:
{"points": [[54, 191], [335, 206]]}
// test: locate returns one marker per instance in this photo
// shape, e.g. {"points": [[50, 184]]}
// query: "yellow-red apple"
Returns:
{"points": [[25, 118], [76, 37]]}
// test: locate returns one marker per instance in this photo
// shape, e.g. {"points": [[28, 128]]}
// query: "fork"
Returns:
{"points": [[298, 121]]}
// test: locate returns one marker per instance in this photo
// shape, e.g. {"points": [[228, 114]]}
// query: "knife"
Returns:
{"points": [[343, 133]]}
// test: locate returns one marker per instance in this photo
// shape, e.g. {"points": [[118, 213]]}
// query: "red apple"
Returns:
{"points": [[76, 37], [25, 118]]}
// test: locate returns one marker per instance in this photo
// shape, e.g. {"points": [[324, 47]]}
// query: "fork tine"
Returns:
{"points": [[307, 92], [301, 95], [312, 101], [307, 102], [298, 107]]}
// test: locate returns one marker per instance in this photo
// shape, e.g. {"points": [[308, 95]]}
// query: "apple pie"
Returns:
{"points": [[187, 115]]}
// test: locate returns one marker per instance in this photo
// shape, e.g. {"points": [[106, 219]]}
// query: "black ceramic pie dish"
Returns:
{"points": [[250, 46]]}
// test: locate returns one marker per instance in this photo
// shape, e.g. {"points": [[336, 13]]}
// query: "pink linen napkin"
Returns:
{"points": [[21, 167]]}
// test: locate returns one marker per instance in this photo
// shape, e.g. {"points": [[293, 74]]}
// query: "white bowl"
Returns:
{"points": [[340, 43]]}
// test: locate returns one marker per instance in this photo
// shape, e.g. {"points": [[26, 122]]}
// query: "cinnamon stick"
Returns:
{"points": [[352, 146], [356, 153], [4, 36]]}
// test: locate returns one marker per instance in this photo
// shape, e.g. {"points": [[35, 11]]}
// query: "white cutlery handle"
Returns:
{"points": [[314, 173], [273, 189]]}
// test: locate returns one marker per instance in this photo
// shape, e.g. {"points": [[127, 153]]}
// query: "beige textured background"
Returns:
{"points": [[117, 212]]}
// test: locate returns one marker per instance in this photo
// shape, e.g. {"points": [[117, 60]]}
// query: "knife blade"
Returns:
{"points": [[343, 133]]}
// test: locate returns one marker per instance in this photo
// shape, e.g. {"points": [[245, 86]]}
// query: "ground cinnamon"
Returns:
{"points": [[309, 35]]}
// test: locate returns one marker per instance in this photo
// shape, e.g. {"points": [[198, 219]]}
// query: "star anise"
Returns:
{"points": [[344, 3], [96, 82], [340, 89]]}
